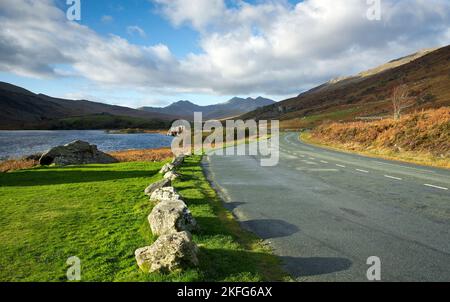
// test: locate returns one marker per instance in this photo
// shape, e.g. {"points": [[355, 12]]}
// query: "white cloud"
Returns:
{"points": [[134, 29], [107, 19], [270, 48], [199, 13]]}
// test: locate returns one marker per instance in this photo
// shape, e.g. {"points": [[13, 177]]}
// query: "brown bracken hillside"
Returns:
{"points": [[420, 135]]}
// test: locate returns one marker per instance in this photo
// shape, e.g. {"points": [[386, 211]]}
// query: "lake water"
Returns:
{"points": [[15, 144]]}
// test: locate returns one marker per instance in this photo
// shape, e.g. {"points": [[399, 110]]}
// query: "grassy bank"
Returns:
{"points": [[99, 214], [142, 155], [422, 138]]}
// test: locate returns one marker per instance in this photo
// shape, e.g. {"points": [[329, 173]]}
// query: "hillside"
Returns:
{"points": [[426, 74], [422, 137], [22, 109], [234, 107]]}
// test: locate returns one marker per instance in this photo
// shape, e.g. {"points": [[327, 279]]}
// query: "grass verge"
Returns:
{"points": [[99, 214], [404, 156]]}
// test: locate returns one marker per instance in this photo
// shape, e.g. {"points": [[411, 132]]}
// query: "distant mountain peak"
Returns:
{"points": [[233, 100], [184, 102], [233, 107]]}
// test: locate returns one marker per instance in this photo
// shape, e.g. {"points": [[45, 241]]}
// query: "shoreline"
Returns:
{"points": [[20, 144], [129, 155]]}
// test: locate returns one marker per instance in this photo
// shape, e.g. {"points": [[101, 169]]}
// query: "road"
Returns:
{"points": [[326, 212]]}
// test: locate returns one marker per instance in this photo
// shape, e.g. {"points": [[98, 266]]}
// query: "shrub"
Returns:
{"points": [[17, 164]]}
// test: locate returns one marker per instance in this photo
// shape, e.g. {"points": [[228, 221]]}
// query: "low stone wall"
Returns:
{"points": [[172, 221]]}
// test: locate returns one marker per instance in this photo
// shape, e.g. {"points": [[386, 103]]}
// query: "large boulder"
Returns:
{"points": [[171, 216], [157, 185], [165, 194], [169, 253], [166, 168], [76, 153], [33, 157]]}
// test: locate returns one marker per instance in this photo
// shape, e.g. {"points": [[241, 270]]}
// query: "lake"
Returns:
{"points": [[15, 144]]}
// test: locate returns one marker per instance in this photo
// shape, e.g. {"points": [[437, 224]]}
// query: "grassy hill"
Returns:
{"points": [[104, 121], [23, 109], [426, 74]]}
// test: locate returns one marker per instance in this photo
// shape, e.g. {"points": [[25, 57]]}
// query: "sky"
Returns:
{"points": [[154, 52]]}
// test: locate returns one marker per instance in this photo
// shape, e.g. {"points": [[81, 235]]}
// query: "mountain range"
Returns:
{"points": [[23, 109], [426, 75], [234, 107]]}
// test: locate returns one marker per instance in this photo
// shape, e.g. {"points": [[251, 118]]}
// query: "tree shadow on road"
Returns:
{"points": [[304, 267], [270, 228], [230, 206]]}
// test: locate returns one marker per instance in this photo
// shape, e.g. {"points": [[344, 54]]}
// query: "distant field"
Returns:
{"points": [[104, 121], [99, 214]]}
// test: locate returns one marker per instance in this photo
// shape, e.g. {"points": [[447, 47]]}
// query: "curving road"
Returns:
{"points": [[325, 212]]}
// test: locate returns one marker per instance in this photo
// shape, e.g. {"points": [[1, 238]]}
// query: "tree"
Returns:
{"points": [[400, 100]]}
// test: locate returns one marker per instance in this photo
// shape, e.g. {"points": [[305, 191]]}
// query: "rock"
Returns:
{"points": [[165, 194], [33, 157], [166, 168], [169, 253], [157, 185], [178, 161], [171, 175], [76, 153], [171, 216]]}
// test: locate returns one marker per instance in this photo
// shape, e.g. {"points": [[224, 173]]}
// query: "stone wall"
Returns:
{"points": [[172, 221]]}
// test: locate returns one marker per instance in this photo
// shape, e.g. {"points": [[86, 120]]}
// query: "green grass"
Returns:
{"points": [[99, 214], [105, 121], [314, 120]]}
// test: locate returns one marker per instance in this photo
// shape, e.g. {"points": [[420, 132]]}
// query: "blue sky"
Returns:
{"points": [[154, 52], [142, 13], [95, 14]]}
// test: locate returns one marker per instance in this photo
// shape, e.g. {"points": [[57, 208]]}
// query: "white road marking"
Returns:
{"points": [[311, 163], [342, 166], [363, 171], [405, 167], [317, 170], [324, 162], [393, 177], [436, 187]]}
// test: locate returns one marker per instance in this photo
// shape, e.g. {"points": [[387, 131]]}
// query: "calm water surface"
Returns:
{"points": [[15, 144]]}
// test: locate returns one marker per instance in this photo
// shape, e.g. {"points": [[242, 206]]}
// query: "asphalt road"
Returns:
{"points": [[325, 212]]}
